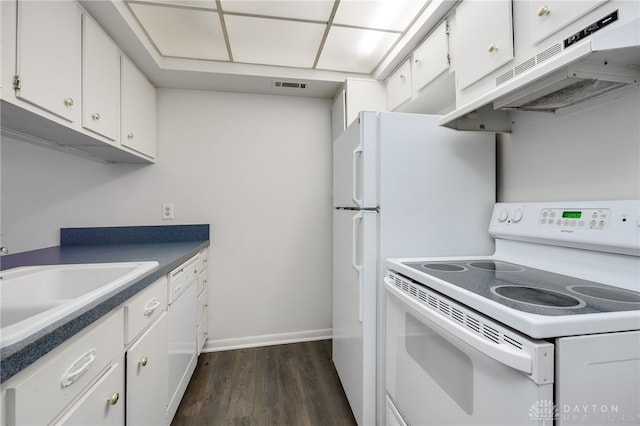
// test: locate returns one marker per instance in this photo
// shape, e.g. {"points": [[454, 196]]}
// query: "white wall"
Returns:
{"points": [[590, 154], [257, 168]]}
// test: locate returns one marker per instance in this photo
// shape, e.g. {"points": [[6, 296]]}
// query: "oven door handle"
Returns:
{"points": [[501, 352]]}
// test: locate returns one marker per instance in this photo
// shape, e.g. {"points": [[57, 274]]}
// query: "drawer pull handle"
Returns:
{"points": [[143, 362], [78, 368], [151, 306], [68, 102], [114, 399]]}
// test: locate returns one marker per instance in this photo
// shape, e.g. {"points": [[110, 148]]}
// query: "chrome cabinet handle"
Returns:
{"points": [[68, 102], [544, 10], [492, 48], [95, 116], [143, 362], [130, 136]]}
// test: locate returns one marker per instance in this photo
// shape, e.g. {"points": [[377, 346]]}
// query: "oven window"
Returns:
{"points": [[447, 365]]}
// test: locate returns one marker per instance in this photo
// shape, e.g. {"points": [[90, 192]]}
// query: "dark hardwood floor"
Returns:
{"points": [[294, 384]]}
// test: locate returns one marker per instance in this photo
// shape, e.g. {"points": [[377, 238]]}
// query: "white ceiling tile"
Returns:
{"points": [[393, 15], [183, 32], [273, 41], [315, 10], [355, 50], [202, 4]]}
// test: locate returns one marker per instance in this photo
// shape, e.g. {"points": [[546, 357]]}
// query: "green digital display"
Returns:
{"points": [[571, 215]]}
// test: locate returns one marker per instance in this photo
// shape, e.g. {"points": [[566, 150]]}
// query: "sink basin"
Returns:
{"points": [[33, 297]]}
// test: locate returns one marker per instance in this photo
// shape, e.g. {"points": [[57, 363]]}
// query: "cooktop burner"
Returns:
{"points": [[537, 296], [528, 289]]}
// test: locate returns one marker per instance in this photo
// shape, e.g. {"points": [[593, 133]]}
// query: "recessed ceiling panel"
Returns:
{"points": [[393, 15], [273, 41], [183, 32], [314, 10], [355, 50]]}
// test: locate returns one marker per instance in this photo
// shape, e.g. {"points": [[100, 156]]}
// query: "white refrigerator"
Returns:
{"points": [[402, 187]]}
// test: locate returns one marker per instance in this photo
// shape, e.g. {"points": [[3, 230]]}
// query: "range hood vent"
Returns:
{"points": [[290, 84], [570, 85], [577, 69]]}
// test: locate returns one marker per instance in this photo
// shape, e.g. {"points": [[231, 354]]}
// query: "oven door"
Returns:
{"points": [[439, 373]]}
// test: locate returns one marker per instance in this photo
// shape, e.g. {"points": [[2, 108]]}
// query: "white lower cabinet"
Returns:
{"points": [[147, 379], [60, 378], [117, 371], [103, 404]]}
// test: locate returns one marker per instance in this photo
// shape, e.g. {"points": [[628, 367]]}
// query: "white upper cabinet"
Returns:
{"points": [[138, 110], [484, 39], [548, 16], [398, 86], [48, 62], [431, 58], [100, 81]]}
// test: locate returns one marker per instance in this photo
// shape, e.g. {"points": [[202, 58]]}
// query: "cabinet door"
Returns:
{"points": [[147, 377], [100, 81], [102, 404], [138, 110], [431, 58], [48, 56], [547, 17], [484, 39], [398, 86], [338, 114]]}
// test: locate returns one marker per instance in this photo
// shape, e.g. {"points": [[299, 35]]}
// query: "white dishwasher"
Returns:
{"points": [[182, 316]]}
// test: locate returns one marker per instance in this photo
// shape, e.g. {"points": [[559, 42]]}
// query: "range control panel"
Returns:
{"points": [[575, 218], [612, 225]]}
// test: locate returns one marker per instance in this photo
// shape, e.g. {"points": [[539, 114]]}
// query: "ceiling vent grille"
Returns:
{"points": [[290, 84]]}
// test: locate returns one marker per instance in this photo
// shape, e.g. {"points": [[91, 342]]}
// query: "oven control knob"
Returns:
{"points": [[503, 215], [517, 216]]}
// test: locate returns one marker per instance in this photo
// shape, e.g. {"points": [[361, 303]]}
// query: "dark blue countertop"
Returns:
{"points": [[170, 246]]}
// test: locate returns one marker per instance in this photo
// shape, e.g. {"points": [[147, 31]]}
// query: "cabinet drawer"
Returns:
{"points": [[103, 404], [59, 378], [203, 256], [144, 308], [181, 277], [203, 279], [203, 304]]}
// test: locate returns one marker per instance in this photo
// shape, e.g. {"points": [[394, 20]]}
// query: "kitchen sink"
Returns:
{"points": [[33, 297]]}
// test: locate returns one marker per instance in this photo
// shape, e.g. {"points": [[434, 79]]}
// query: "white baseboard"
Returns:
{"points": [[266, 340]]}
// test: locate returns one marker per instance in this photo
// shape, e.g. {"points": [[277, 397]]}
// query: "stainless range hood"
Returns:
{"points": [[609, 61]]}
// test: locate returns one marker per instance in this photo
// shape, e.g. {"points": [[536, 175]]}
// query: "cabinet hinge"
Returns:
{"points": [[446, 28], [16, 82], [449, 58]]}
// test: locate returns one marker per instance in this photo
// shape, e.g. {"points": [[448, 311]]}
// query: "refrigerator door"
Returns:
{"points": [[354, 308], [355, 163]]}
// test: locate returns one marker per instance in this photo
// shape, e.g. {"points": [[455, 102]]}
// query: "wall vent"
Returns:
{"points": [[290, 84]]}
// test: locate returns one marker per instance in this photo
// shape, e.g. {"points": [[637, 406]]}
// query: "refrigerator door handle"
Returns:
{"points": [[354, 170], [355, 243]]}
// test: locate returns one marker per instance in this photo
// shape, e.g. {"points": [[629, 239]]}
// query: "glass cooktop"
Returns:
{"points": [[531, 290]]}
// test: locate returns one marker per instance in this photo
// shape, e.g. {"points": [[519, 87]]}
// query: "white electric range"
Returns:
{"points": [[544, 331]]}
